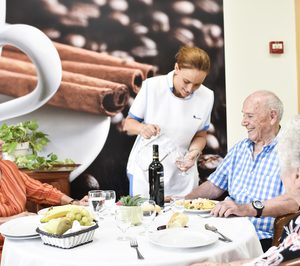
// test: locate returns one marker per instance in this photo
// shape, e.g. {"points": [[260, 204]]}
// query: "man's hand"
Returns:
{"points": [[228, 208]]}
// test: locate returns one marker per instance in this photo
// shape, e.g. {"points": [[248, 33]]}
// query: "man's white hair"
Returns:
{"points": [[289, 145]]}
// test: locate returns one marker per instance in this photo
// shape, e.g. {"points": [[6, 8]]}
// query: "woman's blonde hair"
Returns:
{"points": [[193, 57], [289, 145]]}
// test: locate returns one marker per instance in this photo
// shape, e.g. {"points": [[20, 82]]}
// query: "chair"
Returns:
{"points": [[279, 223], [294, 262]]}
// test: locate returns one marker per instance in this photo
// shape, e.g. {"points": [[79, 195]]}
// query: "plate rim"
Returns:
{"points": [[6, 224], [180, 229]]}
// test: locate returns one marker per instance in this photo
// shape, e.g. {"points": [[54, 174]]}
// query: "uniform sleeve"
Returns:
{"points": [[137, 109], [208, 116], [41, 193]]}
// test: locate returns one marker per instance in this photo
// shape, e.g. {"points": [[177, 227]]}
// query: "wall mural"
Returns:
{"points": [[121, 43]]}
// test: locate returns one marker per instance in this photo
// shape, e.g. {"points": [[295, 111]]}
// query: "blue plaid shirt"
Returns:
{"points": [[247, 179]]}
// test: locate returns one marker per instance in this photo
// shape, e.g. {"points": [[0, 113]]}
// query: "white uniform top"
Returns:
{"points": [[179, 119]]}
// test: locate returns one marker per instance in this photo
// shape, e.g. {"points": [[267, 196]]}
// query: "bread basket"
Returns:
{"points": [[69, 240]]}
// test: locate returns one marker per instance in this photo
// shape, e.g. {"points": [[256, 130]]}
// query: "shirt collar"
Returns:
{"points": [[267, 147]]}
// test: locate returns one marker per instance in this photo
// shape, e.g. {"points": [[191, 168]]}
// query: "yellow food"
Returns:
{"points": [[57, 226], [198, 204], [71, 212], [178, 220], [157, 209]]}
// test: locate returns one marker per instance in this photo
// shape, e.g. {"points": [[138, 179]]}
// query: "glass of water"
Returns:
{"points": [[110, 200], [96, 201]]}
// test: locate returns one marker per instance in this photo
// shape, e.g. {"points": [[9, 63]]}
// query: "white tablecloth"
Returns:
{"points": [[107, 250]]}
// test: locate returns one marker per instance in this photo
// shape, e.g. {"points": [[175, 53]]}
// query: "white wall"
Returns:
{"points": [[249, 25]]}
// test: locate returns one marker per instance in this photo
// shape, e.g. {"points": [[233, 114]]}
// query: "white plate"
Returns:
{"points": [[182, 238], [21, 228]]}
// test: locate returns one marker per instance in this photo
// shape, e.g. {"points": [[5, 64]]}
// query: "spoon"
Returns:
{"points": [[215, 230]]}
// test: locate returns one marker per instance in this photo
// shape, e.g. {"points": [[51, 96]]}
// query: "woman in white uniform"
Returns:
{"points": [[174, 112]]}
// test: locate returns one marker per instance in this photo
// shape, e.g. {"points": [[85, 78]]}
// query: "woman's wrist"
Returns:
{"points": [[195, 153]]}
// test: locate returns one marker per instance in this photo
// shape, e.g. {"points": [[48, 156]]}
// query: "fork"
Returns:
{"points": [[134, 244]]}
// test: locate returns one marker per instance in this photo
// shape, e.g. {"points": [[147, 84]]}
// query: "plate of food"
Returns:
{"points": [[199, 205]]}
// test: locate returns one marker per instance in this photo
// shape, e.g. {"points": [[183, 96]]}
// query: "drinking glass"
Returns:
{"points": [[123, 222], [183, 161], [148, 213], [177, 203], [110, 200], [96, 201]]}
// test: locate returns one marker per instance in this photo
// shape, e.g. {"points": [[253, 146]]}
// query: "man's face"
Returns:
{"points": [[257, 120], [187, 80]]}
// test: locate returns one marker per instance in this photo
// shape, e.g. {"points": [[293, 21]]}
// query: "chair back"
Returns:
{"points": [[279, 224]]}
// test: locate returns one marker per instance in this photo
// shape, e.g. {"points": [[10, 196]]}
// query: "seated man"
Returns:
{"points": [[16, 188], [250, 171], [289, 248]]}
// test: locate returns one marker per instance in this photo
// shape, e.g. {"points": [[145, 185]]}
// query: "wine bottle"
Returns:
{"points": [[156, 178]]}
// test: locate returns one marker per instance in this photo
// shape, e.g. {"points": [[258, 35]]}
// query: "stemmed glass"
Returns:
{"points": [[177, 203], [123, 222], [96, 201], [148, 213], [110, 199], [183, 161]]}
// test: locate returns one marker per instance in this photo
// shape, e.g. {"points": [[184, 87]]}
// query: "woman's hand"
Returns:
{"points": [[149, 130]]}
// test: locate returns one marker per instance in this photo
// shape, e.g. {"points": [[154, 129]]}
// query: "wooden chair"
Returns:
{"points": [[279, 223], [294, 262]]}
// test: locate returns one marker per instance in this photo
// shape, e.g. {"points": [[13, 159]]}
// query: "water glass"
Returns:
{"points": [[110, 200], [96, 200], [177, 203], [148, 213], [123, 222]]}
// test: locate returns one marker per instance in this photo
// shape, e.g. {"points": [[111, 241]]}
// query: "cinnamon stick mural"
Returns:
{"points": [[131, 77], [76, 92]]}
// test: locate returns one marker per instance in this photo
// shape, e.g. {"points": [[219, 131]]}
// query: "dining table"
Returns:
{"points": [[107, 249]]}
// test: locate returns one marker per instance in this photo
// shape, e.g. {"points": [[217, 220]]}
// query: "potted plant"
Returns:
{"points": [[24, 136], [23, 142], [130, 208]]}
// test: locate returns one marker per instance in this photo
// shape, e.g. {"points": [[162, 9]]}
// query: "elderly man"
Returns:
{"points": [[250, 171]]}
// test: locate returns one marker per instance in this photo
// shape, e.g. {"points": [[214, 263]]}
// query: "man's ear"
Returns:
{"points": [[273, 116], [176, 67], [297, 179]]}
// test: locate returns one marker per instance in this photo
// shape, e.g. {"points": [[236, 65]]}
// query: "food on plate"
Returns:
{"points": [[71, 212], [198, 204], [178, 220], [157, 208], [57, 226]]}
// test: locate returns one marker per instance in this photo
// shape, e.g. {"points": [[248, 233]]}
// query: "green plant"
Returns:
{"points": [[28, 132], [22, 132], [130, 200]]}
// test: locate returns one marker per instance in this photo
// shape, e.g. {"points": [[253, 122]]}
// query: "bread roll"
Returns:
{"points": [[178, 220]]}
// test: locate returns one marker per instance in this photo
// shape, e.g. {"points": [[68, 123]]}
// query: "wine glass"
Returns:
{"points": [[148, 213], [123, 222], [183, 161], [96, 200], [110, 199], [177, 203]]}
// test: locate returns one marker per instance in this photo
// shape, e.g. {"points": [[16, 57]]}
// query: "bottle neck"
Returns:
{"points": [[155, 157]]}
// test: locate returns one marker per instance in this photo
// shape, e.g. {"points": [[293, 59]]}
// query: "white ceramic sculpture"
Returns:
{"points": [[43, 54]]}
